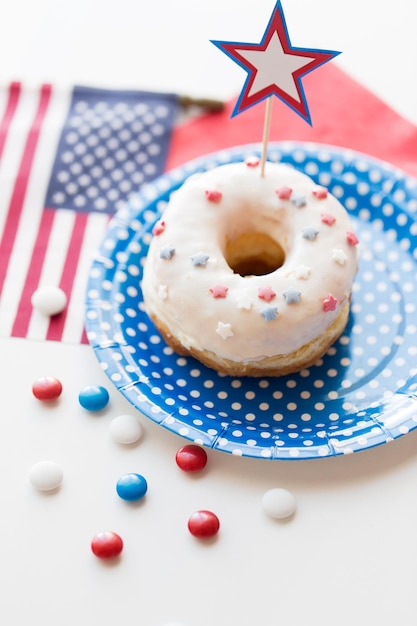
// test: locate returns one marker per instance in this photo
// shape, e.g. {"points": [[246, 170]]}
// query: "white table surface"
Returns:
{"points": [[350, 553]]}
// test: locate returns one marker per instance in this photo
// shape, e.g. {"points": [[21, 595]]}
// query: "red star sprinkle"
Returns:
{"points": [[266, 293], [329, 303], [320, 193], [158, 228], [284, 193], [213, 195], [328, 219], [252, 162], [219, 291], [351, 238]]}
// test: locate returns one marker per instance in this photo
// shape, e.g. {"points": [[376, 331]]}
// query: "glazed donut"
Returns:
{"points": [[251, 272]]}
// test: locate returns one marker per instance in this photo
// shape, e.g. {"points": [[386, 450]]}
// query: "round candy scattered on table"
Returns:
{"points": [[49, 300], [203, 524], [131, 487], [107, 545], [279, 503], [191, 458], [94, 398], [126, 429], [46, 475], [47, 388]]}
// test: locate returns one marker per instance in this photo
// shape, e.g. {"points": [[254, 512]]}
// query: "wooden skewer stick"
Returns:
{"points": [[265, 136]]}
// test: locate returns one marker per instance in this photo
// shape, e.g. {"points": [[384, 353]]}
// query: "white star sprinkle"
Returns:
{"points": [[303, 272], [245, 302], [224, 330], [163, 292], [339, 256]]}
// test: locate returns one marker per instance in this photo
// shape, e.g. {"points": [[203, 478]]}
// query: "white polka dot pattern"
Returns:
{"points": [[362, 393]]}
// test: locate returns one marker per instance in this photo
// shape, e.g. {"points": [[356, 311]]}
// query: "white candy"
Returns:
{"points": [[49, 300], [46, 475], [279, 503], [126, 429]]}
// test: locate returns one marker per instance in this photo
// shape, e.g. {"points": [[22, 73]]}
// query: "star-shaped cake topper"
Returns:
{"points": [[275, 66]]}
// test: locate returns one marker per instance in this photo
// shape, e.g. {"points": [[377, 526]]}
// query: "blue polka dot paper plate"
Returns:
{"points": [[362, 393]]}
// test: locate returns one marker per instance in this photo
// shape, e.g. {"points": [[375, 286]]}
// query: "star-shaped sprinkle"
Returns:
{"points": [[284, 193], [213, 195], [266, 293], [275, 66], [219, 291], [298, 199], [158, 228], [320, 193], [339, 256], [200, 259], [167, 252], [351, 238], [252, 161], [224, 330], [328, 218], [302, 272], [163, 292], [245, 302], [269, 313], [329, 303], [309, 232], [292, 296]]}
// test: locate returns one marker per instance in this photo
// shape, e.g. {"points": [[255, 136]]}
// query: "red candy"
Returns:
{"points": [[219, 291], [284, 193], [252, 161], [203, 524], [213, 195], [159, 228], [47, 388], [328, 219], [191, 458], [329, 303], [266, 293], [320, 193], [351, 238], [107, 545]]}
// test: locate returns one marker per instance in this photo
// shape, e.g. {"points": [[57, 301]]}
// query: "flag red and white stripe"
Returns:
{"points": [[40, 245]]}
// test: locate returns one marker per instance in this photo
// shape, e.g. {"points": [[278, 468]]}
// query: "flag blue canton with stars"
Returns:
{"points": [[111, 144]]}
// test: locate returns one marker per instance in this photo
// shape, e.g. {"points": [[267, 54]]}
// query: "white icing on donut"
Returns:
{"points": [[189, 286]]}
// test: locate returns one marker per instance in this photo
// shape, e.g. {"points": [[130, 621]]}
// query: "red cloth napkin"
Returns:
{"points": [[343, 112]]}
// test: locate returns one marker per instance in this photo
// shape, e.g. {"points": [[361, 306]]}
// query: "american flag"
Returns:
{"points": [[68, 160]]}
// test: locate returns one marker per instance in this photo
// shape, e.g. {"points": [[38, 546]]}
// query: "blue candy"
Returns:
{"points": [[131, 487], [93, 398]]}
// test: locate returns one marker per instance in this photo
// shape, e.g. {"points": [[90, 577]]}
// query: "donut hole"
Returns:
{"points": [[254, 254]]}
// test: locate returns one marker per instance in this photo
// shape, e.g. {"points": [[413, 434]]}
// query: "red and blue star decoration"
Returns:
{"points": [[275, 66]]}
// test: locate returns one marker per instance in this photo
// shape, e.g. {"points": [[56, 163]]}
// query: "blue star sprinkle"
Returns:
{"points": [[292, 296], [270, 313], [167, 252], [298, 199], [200, 259], [310, 233]]}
